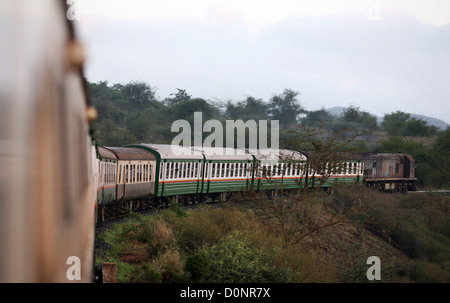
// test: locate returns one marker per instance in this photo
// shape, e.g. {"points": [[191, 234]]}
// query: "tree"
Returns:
{"points": [[137, 95], [285, 107], [359, 119], [180, 96], [299, 214], [317, 118], [393, 122], [402, 124], [250, 108]]}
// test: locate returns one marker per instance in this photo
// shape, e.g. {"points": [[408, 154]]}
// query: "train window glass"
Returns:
{"points": [[397, 168], [170, 170], [130, 178], [133, 172], [188, 170], [235, 167], [126, 173]]}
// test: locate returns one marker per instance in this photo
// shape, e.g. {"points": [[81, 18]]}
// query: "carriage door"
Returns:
{"points": [[406, 167]]}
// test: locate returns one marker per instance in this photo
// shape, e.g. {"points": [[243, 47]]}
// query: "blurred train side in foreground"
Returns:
{"points": [[46, 174]]}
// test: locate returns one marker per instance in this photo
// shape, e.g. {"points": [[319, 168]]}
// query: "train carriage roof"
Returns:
{"points": [[268, 154], [224, 153], [106, 153], [167, 151], [129, 153]]}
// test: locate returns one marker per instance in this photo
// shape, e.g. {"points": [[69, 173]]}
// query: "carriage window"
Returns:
{"points": [[176, 170]]}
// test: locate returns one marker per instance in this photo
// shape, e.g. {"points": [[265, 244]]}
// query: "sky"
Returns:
{"points": [[379, 55]]}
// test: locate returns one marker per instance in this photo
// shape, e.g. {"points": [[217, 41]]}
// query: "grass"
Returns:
{"points": [[231, 242]]}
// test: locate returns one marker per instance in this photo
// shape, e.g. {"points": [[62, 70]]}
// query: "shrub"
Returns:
{"points": [[197, 267], [234, 260]]}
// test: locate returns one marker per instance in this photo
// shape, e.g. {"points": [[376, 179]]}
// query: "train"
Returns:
{"points": [[143, 176], [56, 182]]}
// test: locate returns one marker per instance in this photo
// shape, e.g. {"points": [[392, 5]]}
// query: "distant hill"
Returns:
{"points": [[338, 110]]}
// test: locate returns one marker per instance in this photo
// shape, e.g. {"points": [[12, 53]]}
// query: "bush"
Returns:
{"points": [[234, 260], [198, 230], [197, 267]]}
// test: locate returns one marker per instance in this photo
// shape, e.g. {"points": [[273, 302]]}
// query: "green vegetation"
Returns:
{"points": [[232, 242]]}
